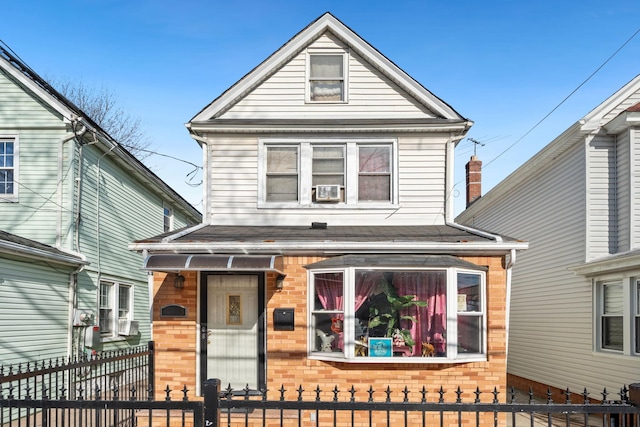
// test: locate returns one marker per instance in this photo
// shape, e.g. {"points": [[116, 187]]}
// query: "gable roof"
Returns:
{"points": [[71, 113], [304, 38], [612, 115]]}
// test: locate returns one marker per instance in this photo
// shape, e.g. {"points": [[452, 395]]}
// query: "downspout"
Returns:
{"points": [[205, 175], [73, 276], [508, 267], [73, 284], [450, 177]]}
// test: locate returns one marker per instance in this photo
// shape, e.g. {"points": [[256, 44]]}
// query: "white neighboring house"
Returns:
{"points": [[575, 313]]}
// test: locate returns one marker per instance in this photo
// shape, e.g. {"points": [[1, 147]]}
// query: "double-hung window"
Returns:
{"points": [[326, 71], [116, 307], [8, 163], [617, 315], [362, 314], [344, 172]]}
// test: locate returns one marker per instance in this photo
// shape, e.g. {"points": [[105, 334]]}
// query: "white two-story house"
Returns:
{"points": [[575, 314], [328, 175]]}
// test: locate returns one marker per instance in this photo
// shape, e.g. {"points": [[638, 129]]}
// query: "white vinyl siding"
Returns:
{"points": [[420, 186], [635, 188], [602, 226], [623, 189], [549, 303], [370, 94]]}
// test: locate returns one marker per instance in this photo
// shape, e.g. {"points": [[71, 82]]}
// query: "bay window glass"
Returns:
{"points": [[326, 78], [611, 317], [407, 311], [374, 173], [282, 174], [328, 311], [470, 313]]}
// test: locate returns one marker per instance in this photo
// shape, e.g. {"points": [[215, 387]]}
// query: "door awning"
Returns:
{"points": [[217, 262]]}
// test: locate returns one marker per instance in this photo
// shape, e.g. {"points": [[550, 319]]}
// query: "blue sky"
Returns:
{"points": [[503, 64]]}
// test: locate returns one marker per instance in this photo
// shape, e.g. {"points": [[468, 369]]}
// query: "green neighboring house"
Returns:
{"points": [[71, 200]]}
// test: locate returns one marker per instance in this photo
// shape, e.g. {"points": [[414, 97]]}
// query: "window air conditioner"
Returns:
{"points": [[127, 327], [327, 193]]}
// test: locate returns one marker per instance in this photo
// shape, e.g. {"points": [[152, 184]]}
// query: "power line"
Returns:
{"points": [[565, 99]]}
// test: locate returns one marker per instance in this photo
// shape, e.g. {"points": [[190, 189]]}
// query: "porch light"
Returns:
{"points": [[178, 282], [280, 280]]}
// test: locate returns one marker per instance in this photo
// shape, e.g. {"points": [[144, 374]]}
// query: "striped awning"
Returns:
{"points": [[213, 262]]}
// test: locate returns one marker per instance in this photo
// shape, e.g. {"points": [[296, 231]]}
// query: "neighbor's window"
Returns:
{"points": [[396, 313], [7, 168], [611, 315], [636, 290], [116, 307], [319, 173], [327, 77], [168, 218]]}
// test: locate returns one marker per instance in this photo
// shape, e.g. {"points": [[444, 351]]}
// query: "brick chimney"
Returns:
{"points": [[474, 179]]}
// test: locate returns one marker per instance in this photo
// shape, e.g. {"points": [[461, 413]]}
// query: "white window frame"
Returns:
{"points": [[112, 303], [167, 218], [305, 188], [345, 71], [12, 197], [630, 313], [348, 355]]}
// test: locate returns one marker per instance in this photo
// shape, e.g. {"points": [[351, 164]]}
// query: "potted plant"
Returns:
{"points": [[389, 316]]}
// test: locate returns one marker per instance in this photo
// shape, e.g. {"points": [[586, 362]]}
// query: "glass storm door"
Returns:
{"points": [[232, 329]]}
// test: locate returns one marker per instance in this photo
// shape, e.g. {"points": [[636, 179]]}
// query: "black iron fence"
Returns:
{"points": [[102, 375], [316, 407]]}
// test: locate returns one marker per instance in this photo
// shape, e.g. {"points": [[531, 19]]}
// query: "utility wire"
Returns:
{"points": [[565, 99]]}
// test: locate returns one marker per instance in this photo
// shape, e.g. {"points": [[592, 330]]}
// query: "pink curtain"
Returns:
{"points": [[431, 321], [329, 288], [367, 283]]}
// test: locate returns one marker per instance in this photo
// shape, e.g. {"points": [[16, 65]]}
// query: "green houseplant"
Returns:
{"points": [[389, 315]]}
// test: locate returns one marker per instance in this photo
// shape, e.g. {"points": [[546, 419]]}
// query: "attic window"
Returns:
{"points": [[327, 77]]}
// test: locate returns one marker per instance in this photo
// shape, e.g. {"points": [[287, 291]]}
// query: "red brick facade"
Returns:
{"points": [[287, 362]]}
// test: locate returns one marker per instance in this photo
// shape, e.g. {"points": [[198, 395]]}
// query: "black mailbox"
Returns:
{"points": [[283, 319]]}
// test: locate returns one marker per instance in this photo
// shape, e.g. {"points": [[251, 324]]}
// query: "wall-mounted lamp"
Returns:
{"points": [[280, 280], [178, 281]]}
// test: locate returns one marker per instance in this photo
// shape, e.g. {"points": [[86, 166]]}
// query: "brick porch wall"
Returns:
{"points": [[287, 363]]}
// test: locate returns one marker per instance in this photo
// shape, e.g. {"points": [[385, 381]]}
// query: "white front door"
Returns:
{"points": [[232, 322]]}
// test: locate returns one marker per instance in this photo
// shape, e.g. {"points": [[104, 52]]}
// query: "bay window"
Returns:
{"points": [[370, 314], [321, 173]]}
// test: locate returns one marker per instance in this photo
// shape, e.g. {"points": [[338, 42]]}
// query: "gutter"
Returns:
{"points": [[320, 248], [509, 265]]}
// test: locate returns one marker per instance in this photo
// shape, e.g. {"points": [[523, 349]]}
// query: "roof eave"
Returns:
{"points": [[333, 248]]}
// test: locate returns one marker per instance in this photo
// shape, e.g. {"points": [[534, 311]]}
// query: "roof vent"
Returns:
{"points": [[319, 225]]}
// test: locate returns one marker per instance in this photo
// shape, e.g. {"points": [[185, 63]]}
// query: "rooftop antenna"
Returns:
{"points": [[475, 145]]}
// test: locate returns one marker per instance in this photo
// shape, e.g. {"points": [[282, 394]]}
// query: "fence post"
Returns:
{"points": [[211, 402], [634, 394], [152, 369]]}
